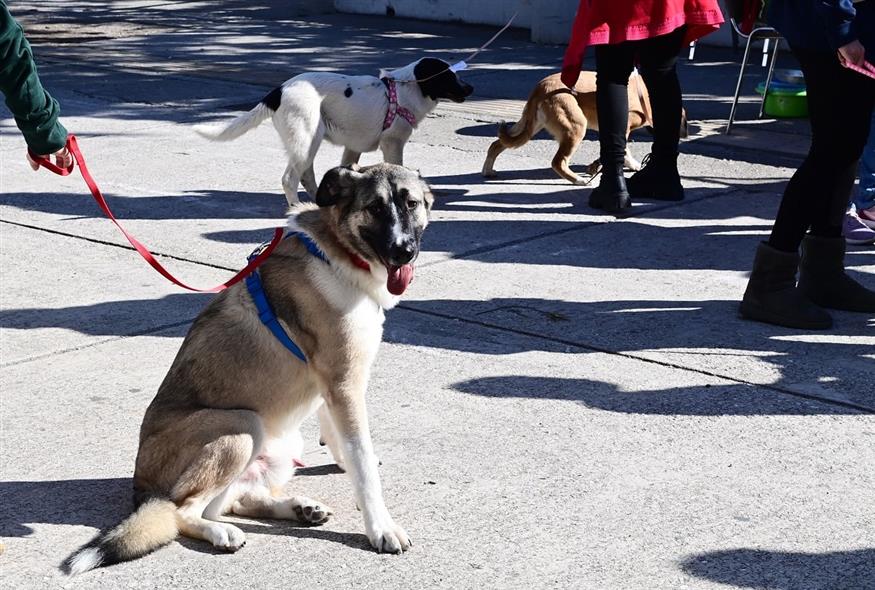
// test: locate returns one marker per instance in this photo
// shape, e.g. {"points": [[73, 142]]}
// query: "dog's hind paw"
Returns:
{"points": [[311, 512]]}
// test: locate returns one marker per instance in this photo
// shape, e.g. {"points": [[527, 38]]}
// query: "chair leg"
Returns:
{"points": [[738, 84], [769, 77]]}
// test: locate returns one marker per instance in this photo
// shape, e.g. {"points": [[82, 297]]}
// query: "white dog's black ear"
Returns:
{"points": [[338, 183]]}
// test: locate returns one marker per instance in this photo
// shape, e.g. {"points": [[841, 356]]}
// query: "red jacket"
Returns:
{"points": [[600, 22]]}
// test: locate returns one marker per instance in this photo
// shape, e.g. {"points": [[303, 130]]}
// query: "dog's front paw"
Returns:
{"points": [[390, 538], [489, 174]]}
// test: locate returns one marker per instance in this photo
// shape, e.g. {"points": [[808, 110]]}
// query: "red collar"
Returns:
{"points": [[357, 260]]}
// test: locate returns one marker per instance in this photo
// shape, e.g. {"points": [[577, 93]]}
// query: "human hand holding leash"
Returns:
{"points": [[63, 159], [853, 57], [852, 53]]}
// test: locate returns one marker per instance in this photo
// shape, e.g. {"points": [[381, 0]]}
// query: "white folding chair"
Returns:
{"points": [[770, 37]]}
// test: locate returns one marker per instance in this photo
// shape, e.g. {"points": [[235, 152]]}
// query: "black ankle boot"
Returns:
{"points": [[658, 179], [823, 280], [611, 194], [772, 295]]}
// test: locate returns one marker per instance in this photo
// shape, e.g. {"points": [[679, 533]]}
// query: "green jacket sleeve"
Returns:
{"points": [[35, 112]]}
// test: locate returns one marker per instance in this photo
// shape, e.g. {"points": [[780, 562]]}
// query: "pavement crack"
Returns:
{"points": [[144, 332], [115, 245]]}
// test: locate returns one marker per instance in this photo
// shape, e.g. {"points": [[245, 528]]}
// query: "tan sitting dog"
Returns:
{"points": [[567, 116], [222, 431]]}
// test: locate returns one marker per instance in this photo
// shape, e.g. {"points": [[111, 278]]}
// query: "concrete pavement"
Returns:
{"points": [[563, 400]]}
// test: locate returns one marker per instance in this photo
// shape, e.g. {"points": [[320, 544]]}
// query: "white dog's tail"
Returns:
{"points": [[243, 123], [151, 526]]}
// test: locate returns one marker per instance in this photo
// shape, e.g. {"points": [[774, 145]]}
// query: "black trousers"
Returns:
{"points": [[840, 105], [657, 59]]}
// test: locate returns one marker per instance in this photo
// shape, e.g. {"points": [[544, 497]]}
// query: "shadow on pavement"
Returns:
{"points": [[118, 318], [96, 503], [685, 333], [286, 528], [785, 570], [237, 42], [199, 204], [716, 400]]}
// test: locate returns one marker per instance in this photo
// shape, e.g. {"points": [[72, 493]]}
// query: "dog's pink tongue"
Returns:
{"points": [[399, 278]]}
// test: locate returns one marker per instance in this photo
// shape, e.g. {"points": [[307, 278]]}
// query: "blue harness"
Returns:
{"points": [[265, 311]]}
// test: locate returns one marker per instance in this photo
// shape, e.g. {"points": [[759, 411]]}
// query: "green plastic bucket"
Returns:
{"points": [[784, 100]]}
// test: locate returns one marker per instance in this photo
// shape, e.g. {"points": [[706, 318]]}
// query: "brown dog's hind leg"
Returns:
{"points": [[494, 151], [226, 441], [567, 147]]}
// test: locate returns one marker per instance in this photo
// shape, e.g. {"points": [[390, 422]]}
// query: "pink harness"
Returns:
{"points": [[395, 108]]}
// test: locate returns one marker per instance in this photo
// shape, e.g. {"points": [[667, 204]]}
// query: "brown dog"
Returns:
{"points": [[567, 116], [220, 435]]}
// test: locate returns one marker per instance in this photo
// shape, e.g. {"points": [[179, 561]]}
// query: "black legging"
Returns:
{"points": [[657, 59], [840, 108]]}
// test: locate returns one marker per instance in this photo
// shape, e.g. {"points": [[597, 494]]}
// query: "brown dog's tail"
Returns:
{"points": [[151, 526], [523, 130]]}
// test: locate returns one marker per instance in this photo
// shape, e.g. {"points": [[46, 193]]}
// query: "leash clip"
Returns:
{"points": [[259, 250]]}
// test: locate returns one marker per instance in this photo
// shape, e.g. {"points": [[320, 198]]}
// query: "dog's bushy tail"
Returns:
{"points": [[522, 130], [237, 127], [151, 526]]}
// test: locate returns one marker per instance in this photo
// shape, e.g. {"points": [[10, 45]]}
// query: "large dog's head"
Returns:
{"points": [[437, 81], [379, 212]]}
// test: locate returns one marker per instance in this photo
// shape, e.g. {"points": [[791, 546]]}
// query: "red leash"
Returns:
{"points": [[73, 146], [867, 69]]}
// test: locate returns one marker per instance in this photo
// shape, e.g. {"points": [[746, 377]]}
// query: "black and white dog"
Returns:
{"points": [[360, 113]]}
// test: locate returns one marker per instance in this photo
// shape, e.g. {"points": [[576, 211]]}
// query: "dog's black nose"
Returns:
{"points": [[402, 252]]}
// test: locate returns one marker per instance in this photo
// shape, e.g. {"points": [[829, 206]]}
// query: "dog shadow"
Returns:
{"points": [[510, 174], [491, 130], [286, 528], [95, 503], [327, 469], [784, 570]]}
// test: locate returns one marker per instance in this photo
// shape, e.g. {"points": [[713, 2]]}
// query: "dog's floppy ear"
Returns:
{"points": [[338, 183]]}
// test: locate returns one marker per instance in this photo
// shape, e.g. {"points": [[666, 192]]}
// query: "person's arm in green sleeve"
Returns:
{"points": [[35, 112]]}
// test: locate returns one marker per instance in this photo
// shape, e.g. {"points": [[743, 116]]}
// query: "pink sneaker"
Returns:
{"points": [[867, 216], [855, 231]]}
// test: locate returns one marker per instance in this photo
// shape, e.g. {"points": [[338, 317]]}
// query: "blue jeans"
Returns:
{"points": [[865, 197]]}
